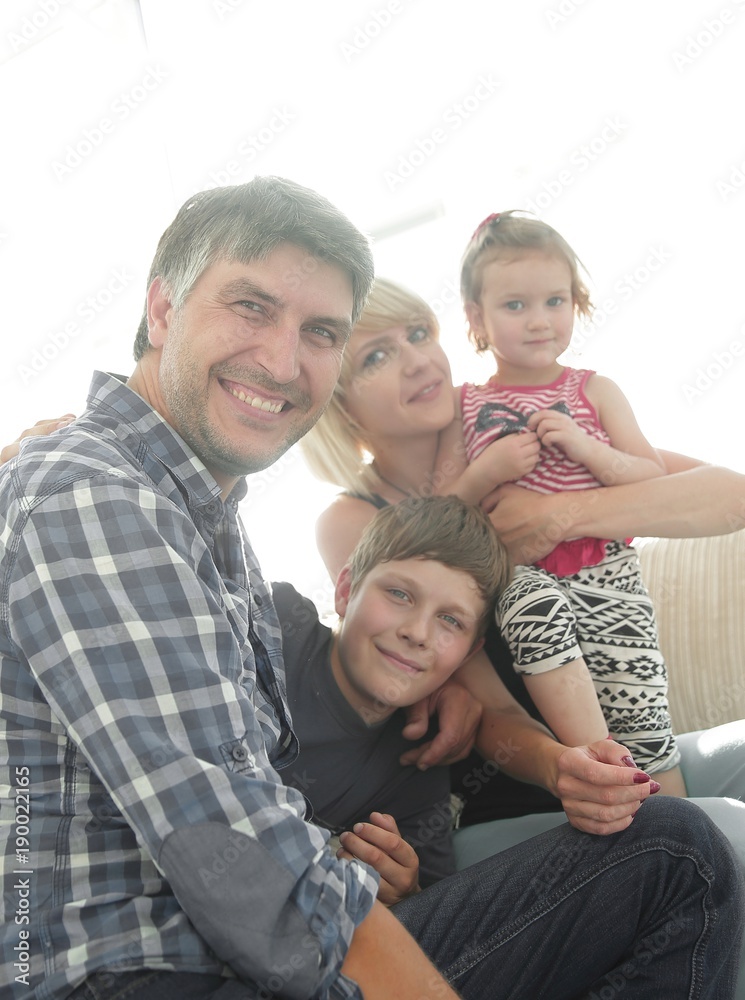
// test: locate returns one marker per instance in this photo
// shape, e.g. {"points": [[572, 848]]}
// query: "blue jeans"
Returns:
{"points": [[713, 765], [565, 915]]}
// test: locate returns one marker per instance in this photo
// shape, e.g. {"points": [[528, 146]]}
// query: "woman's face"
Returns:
{"points": [[398, 382]]}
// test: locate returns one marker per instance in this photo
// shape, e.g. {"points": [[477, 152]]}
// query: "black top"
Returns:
{"points": [[488, 794], [347, 769]]}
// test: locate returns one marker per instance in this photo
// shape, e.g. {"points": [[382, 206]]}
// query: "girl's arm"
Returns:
{"points": [[629, 458], [596, 786], [502, 461]]}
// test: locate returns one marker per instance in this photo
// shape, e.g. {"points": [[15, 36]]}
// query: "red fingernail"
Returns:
{"points": [[640, 778], [628, 761], [654, 786]]}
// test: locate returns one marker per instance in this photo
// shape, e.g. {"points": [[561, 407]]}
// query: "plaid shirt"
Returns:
{"points": [[142, 720]]}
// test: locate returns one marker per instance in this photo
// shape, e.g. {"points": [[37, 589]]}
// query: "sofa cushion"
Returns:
{"points": [[698, 589]]}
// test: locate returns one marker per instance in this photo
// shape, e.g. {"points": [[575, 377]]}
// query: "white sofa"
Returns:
{"points": [[698, 589]]}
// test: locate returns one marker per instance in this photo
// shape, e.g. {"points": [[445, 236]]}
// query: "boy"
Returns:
{"points": [[413, 602]]}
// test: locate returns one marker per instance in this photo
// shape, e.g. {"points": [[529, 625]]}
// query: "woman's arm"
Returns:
{"points": [[596, 784], [338, 530], [695, 501]]}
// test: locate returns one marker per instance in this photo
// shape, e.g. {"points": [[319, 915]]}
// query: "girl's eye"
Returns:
{"points": [[556, 300], [418, 334], [514, 306]]}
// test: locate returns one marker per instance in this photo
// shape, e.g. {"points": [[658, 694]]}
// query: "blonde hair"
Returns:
{"points": [[335, 449], [508, 234], [444, 529]]}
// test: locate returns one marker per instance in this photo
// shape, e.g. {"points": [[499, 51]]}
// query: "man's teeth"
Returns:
{"points": [[260, 404]]}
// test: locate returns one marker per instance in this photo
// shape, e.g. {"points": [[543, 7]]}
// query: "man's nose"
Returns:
{"points": [[279, 353]]}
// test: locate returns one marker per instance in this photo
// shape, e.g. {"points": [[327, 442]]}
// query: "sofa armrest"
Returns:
{"points": [[698, 589]]}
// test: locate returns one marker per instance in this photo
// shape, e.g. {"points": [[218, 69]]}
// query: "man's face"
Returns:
{"points": [[249, 362], [406, 627]]}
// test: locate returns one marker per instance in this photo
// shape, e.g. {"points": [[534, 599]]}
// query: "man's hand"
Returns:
{"points": [[458, 716], [380, 845], [39, 428], [600, 787]]}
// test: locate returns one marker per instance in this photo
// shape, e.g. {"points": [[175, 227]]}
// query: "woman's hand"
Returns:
{"points": [[40, 427], [380, 845]]}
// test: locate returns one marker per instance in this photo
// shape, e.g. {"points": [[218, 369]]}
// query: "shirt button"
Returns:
{"points": [[239, 754]]}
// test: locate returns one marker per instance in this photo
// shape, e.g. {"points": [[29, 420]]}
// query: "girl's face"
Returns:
{"points": [[526, 315], [398, 382]]}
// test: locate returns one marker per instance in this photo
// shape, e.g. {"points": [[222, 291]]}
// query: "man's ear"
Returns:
{"points": [[159, 313], [343, 589]]}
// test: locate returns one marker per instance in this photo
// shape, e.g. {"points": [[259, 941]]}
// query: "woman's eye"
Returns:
{"points": [[418, 334], [374, 358]]}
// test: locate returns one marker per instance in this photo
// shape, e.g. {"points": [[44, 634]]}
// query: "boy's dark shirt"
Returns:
{"points": [[346, 768]]}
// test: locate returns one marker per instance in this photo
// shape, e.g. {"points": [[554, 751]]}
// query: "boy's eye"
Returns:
{"points": [[451, 620], [400, 595]]}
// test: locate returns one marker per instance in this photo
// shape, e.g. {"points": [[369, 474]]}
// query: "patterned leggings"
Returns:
{"points": [[604, 615]]}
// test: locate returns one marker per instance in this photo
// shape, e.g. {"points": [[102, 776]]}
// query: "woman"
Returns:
{"points": [[378, 439]]}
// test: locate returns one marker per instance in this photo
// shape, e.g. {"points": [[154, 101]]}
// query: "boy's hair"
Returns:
{"points": [[335, 448], [247, 222], [506, 236], [445, 529]]}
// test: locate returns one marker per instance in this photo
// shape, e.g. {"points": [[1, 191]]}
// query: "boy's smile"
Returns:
{"points": [[406, 627]]}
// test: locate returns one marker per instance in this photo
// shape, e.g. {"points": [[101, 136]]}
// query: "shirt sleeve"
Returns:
{"points": [[143, 656]]}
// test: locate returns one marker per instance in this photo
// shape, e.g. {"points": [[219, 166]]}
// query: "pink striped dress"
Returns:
{"points": [[492, 411]]}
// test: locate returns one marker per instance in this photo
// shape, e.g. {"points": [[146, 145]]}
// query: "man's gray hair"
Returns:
{"points": [[247, 222]]}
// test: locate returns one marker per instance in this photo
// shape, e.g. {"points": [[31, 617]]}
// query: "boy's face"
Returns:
{"points": [[406, 627]]}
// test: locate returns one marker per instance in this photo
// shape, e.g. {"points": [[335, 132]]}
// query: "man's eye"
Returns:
{"points": [[323, 333], [251, 306]]}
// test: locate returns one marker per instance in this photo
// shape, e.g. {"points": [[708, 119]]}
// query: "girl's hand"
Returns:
{"points": [[380, 845], [40, 427], [510, 457], [559, 430]]}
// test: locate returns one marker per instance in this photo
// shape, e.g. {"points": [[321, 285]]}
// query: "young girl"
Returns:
{"points": [[579, 623]]}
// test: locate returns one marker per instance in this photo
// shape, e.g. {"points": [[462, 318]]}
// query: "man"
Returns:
{"points": [[143, 715]]}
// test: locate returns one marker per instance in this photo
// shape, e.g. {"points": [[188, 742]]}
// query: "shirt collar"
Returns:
{"points": [[136, 419]]}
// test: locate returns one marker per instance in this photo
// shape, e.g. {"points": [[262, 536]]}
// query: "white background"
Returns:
{"points": [[620, 121]]}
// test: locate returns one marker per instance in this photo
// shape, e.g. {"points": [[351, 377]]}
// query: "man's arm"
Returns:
{"points": [[141, 652]]}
